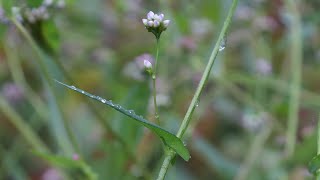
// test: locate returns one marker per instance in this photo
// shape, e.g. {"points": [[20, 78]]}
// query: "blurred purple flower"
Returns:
{"points": [[254, 122], [12, 92], [75, 156], [263, 67], [201, 28], [265, 23], [52, 174], [243, 13], [187, 44]]}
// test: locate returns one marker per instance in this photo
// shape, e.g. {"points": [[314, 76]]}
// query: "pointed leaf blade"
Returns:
{"points": [[168, 138]]}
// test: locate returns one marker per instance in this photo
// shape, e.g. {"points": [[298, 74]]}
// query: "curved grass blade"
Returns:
{"points": [[65, 162], [168, 138]]}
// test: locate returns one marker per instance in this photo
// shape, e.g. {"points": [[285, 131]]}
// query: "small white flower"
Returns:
{"points": [[47, 2], [150, 15], [147, 64], [145, 21], [161, 16], [157, 17], [150, 23], [166, 23], [61, 4], [156, 23]]}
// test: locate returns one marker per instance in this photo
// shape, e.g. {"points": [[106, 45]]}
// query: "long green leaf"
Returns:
{"points": [[168, 138], [314, 165]]}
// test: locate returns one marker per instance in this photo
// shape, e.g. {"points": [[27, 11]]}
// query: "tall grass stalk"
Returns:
{"points": [[170, 153], [296, 63]]}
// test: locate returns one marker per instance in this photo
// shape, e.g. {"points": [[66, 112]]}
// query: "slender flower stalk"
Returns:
{"points": [[156, 24], [170, 153], [154, 78]]}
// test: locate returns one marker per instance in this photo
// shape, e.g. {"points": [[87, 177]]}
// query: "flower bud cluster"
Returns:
{"points": [[155, 23], [35, 14]]}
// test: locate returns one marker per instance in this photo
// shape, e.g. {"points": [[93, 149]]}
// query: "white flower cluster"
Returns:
{"points": [[154, 20], [35, 14]]}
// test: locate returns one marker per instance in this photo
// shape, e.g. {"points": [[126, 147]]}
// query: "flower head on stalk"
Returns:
{"points": [[155, 23], [148, 66]]}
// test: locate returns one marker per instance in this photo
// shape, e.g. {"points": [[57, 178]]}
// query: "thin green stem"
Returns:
{"points": [[18, 77], [24, 128], [318, 147], [165, 165], [207, 71], [296, 61], [154, 78], [170, 155], [253, 154]]}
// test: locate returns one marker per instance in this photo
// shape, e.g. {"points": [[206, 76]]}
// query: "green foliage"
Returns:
{"points": [[314, 165], [168, 138], [68, 163], [51, 35]]}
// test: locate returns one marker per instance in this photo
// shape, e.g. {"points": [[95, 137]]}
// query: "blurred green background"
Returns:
{"points": [[239, 130]]}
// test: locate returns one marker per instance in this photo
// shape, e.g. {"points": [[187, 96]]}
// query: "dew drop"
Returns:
{"points": [[197, 103], [131, 111], [82, 92], [103, 100], [72, 87], [222, 45]]}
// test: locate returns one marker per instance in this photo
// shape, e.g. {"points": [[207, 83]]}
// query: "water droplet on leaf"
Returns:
{"points": [[222, 45]]}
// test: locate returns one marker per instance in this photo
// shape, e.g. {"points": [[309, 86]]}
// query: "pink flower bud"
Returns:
{"points": [[150, 23], [166, 23], [147, 64], [156, 23], [150, 15], [145, 21]]}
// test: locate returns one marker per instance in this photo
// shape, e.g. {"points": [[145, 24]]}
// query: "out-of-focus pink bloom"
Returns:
{"points": [[243, 13], [263, 67], [188, 44], [75, 156], [52, 174], [12, 92], [200, 28], [265, 23]]}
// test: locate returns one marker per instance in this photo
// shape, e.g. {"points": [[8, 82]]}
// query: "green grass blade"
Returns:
{"points": [[65, 162], [168, 138]]}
